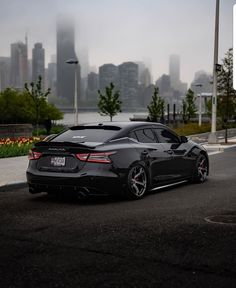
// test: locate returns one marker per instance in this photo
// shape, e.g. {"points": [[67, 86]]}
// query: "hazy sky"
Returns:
{"points": [[115, 31]]}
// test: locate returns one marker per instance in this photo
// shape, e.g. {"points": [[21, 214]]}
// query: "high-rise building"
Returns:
{"points": [[92, 81], [145, 77], [108, 73], [38, 63], [65, 52], [19, 64], [202, 82], [4, 73], [52, 77], [29, 70], [163, 83], [174, 71], [92, 89], [128, 84]]}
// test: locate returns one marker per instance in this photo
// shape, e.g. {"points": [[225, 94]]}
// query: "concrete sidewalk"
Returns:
{"points": [[221, 146], [13, 170]]}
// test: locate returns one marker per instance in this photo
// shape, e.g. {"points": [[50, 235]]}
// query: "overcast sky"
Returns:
{"points": [[115, 31]]}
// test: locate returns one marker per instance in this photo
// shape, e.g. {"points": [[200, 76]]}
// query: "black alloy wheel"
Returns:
{"points": [[137, 182], [201, 169]]}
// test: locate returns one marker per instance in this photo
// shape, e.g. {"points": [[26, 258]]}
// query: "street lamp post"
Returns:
{"points": [[212, 137], [199, 106], [75, 62]]}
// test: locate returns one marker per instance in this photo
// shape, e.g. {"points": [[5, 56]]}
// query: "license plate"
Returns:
{"points": [[58, 161]]}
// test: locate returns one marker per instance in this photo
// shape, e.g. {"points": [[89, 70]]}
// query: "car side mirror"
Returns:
{"points": [[183, 139]]}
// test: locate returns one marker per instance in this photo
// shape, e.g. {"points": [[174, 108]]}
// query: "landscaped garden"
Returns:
{"points": [[11, 147]]}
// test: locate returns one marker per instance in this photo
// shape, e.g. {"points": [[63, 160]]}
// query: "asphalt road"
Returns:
{"points": [[162, 240]]}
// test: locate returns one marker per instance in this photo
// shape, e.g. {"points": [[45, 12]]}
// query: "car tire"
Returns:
{"points": [[201, 169], [137, 182]]}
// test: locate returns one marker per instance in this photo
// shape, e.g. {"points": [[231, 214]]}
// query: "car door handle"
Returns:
{"points": [[145, 153], [169, 151]]}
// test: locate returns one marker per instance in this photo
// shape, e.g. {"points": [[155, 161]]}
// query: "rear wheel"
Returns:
{"points": [[137, 182], [201, 169]]}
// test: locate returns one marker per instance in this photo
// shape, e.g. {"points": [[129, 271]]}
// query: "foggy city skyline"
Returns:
{"points": [[116, 32]]}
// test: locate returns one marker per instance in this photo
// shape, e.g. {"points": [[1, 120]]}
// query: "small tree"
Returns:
{"points": [[227, 95], [189, 107], [226, 99], [109, 103], [156, 108], [38, 96], [184, 112]]}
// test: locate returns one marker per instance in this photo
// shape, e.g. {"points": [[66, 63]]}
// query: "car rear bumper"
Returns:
{"points": [[106, 184]]}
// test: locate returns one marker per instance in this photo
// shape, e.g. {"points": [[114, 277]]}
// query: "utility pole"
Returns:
{"points": [[212, 137]]}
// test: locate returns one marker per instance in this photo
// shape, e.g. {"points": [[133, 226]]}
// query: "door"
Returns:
{"points": [[180, 165], [153, 154]]}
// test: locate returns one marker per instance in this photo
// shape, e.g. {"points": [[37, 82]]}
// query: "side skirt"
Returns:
{"points": [[169, 185]]}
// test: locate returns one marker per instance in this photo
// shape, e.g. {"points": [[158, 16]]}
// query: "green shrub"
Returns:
{"points": [[193, 128], [14, 150]]}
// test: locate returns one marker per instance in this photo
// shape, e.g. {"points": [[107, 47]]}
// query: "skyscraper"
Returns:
{"points": [[19, 64], [65, 52], [4, 73], [38, 62], [52, 77], [174, 71], [179, 88], [92, 81], [108, 73], [128, 83]]}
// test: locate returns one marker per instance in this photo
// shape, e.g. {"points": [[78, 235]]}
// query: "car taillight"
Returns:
{"points": [[100, 157], [33, 155]]}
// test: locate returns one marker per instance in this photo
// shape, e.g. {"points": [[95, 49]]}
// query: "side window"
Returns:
{"points": [[145, 136], [133, 135], [165, 136]]}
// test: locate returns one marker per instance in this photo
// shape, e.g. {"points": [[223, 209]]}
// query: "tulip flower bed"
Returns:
{"points": [[12, 147]]}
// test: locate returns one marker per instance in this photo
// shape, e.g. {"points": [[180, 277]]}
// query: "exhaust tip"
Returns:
{"points": [[82, 192]]}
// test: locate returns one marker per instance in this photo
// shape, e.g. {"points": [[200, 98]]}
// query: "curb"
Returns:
{"points": [[218, 147], [9, 187]]}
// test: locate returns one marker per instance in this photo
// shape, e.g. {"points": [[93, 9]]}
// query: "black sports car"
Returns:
{"points": [[115, 157]]}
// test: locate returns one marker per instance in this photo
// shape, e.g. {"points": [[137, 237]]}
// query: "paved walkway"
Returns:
{"points": [[12, 170]]}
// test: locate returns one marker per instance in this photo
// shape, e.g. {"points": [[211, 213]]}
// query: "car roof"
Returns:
{"points": [[120, 124], [122, 127]]}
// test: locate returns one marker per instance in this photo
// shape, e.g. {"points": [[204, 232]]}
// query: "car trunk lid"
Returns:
{"points": [[61, 156]]}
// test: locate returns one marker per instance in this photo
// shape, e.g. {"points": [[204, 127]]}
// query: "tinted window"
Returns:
{"points": [[165, 136], [133, 135], [85, 135], [145, 136]]}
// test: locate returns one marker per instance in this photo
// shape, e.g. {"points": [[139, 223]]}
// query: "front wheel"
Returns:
{"points": [[137, 182], [201, 169]]}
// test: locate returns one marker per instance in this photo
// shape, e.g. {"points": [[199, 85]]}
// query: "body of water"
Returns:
{"points": [[89, 117]]}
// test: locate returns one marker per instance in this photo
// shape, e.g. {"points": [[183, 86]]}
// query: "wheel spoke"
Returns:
{"points": [[141, 183], [136, 189], [138, 180], [139, 173]]}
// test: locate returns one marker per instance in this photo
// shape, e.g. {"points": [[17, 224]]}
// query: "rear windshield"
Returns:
{"points": [[86, 135]]}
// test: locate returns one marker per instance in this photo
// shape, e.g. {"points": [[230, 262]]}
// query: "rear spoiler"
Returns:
{"points": [[62, 144]]}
